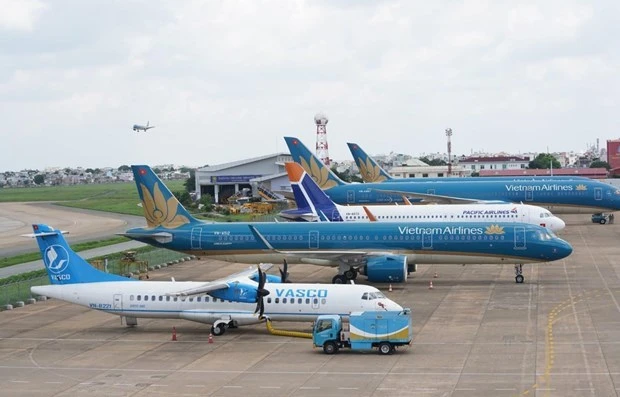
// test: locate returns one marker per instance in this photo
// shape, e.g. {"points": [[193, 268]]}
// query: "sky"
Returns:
{"points": [[226, 80]]}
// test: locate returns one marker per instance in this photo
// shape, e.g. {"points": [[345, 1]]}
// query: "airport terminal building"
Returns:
{"points": [[262, 175]]}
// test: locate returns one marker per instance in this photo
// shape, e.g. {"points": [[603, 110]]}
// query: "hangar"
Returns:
{"points": [[264, 176]]}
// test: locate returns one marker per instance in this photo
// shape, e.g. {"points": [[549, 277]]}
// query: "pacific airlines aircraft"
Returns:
{"points": [[225, 303], [380, 250], [558, 196], [314, 205], [371, 171]]}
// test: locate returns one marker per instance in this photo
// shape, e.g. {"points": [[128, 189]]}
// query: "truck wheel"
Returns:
{"points": [[385, 348], [330, 347], [603, 221]]}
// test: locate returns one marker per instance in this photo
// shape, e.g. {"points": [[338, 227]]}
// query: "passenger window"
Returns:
{"points": [[277, 300], [283, 300], [268, 300], [167, 299], [323, 301], [139, 297], [299, 301], [307, 301], [315, 301], [153, 297], [176, 298], [191, 299], [293, 300], [161, 298], [207, 298], [130, 297]]}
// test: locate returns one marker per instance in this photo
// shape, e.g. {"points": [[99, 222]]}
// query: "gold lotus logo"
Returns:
{"points": [[161, 212], [581, 187], [319, 173], [370, 172], [494, 229]]}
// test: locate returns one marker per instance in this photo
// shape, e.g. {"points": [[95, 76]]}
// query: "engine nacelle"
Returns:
{"points": [[238, 292], [270, 278], [386, 269]]}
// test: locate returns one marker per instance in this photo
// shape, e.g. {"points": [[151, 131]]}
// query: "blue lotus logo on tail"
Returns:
{"points": [[56, 258]]}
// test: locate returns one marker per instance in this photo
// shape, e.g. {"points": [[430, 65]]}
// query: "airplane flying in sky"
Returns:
{"points": [[314, 205], [558, 196], [138, 127], [225, 303], [371, 171], [380, 250]]}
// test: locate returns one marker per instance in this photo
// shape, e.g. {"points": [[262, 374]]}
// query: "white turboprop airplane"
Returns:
{"points": [[314, 205], [138, 127], [225, 303]]}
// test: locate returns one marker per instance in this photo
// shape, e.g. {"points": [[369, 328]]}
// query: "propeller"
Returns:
{"points": [[261, 292], [284, 273]]}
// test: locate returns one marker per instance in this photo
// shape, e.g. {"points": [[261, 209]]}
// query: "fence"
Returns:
{"points": [[133, 263]]}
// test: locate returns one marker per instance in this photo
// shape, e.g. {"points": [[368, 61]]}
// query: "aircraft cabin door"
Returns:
{"points": [[598, 193], [529, 195], [520, 243], [313, 239], [196, 234], [351, 196], [427, 241], [118, 302]]}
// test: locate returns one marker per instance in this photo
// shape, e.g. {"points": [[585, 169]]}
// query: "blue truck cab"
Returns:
{"points": [[384, 330]]}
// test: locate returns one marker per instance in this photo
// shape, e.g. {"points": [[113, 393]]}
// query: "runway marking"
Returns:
{"points": [[269, 387], [232, 387], [20, 381], [348, 388], [309, 388]]}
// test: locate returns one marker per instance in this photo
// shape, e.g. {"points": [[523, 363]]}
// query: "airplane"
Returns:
{"points": [[383, 251], [314, 205], [138, 127], [558, 196], [225, 303], [371, 171]]}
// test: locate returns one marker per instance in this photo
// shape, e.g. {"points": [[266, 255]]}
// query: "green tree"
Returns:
{"points": [[600, 164], [124, 168], [544, 161], [39, 179], [190, 183], [184, 198], [207, 201], [433, 162]]}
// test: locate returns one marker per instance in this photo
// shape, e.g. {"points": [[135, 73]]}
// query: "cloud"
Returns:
{"points": [[20, 15]]}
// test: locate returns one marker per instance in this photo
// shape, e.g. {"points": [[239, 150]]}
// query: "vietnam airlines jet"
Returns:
{"points": [[314, 205], [225, 303], [558, 196], [382, 250], [371, 171]]}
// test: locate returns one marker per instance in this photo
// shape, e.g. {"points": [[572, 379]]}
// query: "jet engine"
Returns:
{"points": [[386, 269]]}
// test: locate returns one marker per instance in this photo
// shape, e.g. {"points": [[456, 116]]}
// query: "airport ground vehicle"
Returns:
{"points": [[600, 218], [384, 330]]}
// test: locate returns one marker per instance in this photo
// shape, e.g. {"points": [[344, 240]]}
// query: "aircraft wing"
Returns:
{"points": [[427, 198], [222, 283]]}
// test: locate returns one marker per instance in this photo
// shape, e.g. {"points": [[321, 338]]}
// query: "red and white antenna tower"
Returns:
{"points": [[322, 147], [449, 135]]}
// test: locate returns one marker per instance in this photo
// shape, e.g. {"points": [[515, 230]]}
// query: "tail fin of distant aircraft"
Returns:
{"points": [[63, 265], [370, 170], [309, 195], [160, 206], [321, 174]]}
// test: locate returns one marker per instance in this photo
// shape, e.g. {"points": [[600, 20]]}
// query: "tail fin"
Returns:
{"points": [[309, 195], [160, 206], [370, 170], [62, 264], [321, 174]]}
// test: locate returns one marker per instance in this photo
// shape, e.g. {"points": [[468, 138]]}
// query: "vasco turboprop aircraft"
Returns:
{"points": [[561, 196], [371, 171], [380, 250], [225, 303], [138, 127], [314, 205]]}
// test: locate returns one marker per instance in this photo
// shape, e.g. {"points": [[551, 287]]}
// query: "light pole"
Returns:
{"points": [[449, 135]]}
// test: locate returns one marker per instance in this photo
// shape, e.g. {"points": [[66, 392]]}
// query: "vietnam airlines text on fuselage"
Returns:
{"points": [[442, 242], [558, 197]]}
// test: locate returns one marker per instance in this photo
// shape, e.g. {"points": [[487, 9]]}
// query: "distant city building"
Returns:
{"points": [[613, 156], [594, 173], [477, 164], [427, 171]]}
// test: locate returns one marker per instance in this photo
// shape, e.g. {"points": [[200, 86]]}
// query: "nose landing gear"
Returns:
{"points": [[519, 274]]}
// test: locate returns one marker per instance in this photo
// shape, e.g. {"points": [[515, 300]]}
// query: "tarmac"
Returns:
{"points": [[476, 333]]}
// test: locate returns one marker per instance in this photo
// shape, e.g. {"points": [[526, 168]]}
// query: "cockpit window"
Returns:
{"points": [[365, 296]]}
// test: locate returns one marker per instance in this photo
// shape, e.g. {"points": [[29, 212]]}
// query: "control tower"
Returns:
{"points": [[322, 147]]}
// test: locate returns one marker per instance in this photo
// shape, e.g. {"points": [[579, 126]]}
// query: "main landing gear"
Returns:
{"points": [[519, 272], [347, 275]]}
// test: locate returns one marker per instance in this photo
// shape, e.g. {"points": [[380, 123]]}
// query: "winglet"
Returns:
{"points": [[370, 215], [260, 237]]}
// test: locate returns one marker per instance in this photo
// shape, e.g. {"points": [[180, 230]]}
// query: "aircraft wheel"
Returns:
{"points": [[219, 329], [350, 274], [519, 279], [339, 279], [330, 347], [385, 348]]}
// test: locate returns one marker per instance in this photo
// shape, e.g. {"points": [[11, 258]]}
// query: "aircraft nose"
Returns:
{"points": [[392, 306], [563, 249], [559, 224]]}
